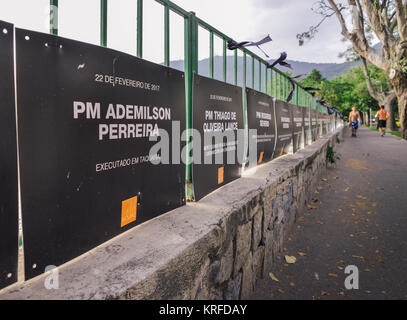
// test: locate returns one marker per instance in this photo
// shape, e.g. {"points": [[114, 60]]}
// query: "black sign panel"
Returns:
{"points": [[86, 117], [314, 125], [307, 125], [284, 128], [8, 161], [218, 117], [298, 126], [260, 116]]}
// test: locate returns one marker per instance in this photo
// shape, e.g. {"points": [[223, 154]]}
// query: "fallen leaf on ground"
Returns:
{"points": [[273, 277], [290, 259], [334, 275], [316, 275], [302, 254], [324, 293], [361, 197], [311, 207], [280, 290], [292, 284]]}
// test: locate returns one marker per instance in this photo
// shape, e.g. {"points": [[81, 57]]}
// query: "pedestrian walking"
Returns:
{"points": [[354, 120], [383, 116]]}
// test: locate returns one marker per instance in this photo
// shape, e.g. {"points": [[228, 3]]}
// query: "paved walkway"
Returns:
{"points": [[360, 218]]}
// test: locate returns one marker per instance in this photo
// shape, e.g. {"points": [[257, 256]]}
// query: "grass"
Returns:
{"points": [[394, 133]]}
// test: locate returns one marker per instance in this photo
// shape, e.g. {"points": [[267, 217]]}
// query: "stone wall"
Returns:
{"points": [[215, 249]]}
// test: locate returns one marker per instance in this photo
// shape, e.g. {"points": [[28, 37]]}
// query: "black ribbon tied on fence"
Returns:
{"points": [[281, 61], [290, 79], [232, 45]]}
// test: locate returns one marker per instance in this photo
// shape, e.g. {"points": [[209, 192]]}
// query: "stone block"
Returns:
{"points": [[243, 245]]}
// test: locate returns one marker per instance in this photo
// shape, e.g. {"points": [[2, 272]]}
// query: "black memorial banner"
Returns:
{"points": [[298, 126], [8, 161], [260, 117], [218, 117], [284, 128], [307, 125], [314, 125], [86, 116]]}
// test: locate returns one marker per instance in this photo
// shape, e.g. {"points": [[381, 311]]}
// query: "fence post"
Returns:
{"points": [[191, 67], [140, 28], [103, 23], [166, 35], [253, 72], [211, 55], [235, 67], [53, 17], [224, 61]]}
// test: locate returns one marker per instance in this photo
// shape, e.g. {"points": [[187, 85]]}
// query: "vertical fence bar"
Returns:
{"points": [[252, 72], [266, 76], [244, 103], [225, 62], [53, 17], [166, 35], [211, 54], [140, 28], [235, 67], [244, 70], [274, 83], [191, 68], [280, 88], [103, 23]]}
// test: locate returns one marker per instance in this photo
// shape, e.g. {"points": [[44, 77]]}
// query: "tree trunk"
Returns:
{"points": [[402, 99], [400, 86], [391, 123]]}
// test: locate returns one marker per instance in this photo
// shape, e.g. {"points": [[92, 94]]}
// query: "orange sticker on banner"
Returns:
{"points": [[261, 157], [221, 172], [129, 211]]}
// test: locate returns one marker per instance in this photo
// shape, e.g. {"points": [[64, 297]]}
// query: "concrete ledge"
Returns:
{"points": [[214, 249]]}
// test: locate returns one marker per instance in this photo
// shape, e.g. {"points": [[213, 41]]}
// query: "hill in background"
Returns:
{"points": [[328, 70]]}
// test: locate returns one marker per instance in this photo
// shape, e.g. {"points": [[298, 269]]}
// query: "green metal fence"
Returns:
{"points": [[275, 82]]}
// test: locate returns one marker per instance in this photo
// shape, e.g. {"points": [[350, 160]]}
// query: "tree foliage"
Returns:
{"points": [[348, 90], [387, 20]]}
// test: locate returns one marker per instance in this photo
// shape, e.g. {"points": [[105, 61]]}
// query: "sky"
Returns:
{"points": [[240, 19]]}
